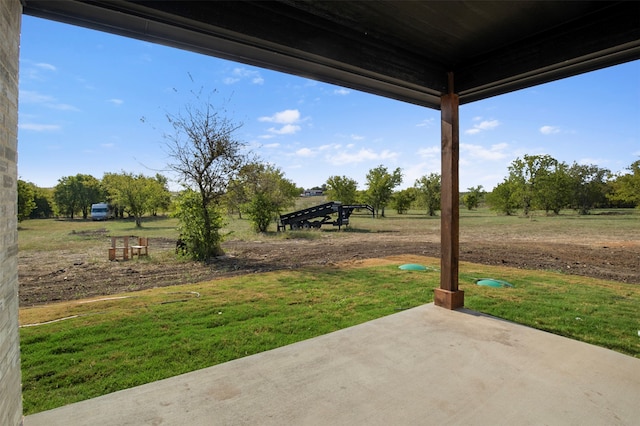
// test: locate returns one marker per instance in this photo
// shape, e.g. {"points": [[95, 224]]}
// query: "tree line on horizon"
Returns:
{"points": [[219, 176], [535, 182]]}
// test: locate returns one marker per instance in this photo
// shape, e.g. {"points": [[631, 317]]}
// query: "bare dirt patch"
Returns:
{"points": [[47, 277]]}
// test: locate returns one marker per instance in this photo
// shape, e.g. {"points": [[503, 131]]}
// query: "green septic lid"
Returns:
{"points": [[490, 282], [413, 267]]}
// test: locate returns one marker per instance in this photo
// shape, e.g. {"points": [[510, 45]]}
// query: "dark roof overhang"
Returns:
{"points": [[398, 49]]}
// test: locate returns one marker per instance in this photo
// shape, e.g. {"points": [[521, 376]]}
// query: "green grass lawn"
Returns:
{"points": [[118, 343]]}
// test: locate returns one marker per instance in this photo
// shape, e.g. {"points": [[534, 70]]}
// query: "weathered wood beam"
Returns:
{"points": [[448, 295]]}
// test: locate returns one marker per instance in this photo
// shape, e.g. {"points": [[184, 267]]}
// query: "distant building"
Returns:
{"points": [[312, 193]]}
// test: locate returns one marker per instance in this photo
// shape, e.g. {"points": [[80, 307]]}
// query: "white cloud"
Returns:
{"points": [[244, 74], [482, 126], [305, 152], [31, 97], [287, 116], [426, 123], [416, 171], [63, 107], [287, 129], [45, 66], [430, 152], [345, 157], [357, 137], [271, 145], [342, 91], [40, 127], [549, 130], [495, 152], [326, 147], [116, 101]]}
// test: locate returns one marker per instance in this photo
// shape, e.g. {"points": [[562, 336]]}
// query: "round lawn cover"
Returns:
{"points": [[413, 267], [491, 282]]}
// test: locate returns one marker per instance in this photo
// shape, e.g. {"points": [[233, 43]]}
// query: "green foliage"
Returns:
{"points": [[136, 194], [589, 186], [530, 176], [402, 200], [188, 210], [429, 190], [26, 199], [553, 188], [472, 198], [540, 182], [343, 189], [75, 194], [504, 198], [267, 192], [380, 185], [261, 209], [626, 187], [44, 204], [160, 198]]}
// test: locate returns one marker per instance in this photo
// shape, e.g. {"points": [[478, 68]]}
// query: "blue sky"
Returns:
{"points": [[92, 102]]}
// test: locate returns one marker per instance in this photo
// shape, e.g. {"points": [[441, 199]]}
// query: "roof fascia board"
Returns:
{"points": [[566, 51]]}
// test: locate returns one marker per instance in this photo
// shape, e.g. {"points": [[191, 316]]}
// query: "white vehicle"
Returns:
{"points": [[101, 211]]}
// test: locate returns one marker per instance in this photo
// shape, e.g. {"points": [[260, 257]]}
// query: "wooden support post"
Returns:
{"points": [[448, 295]]}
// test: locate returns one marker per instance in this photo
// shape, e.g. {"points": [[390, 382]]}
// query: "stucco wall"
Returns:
{"points": [[11, 400]]}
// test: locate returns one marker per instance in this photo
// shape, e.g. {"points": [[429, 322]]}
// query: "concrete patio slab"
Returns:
{"points": [[423, 366]]}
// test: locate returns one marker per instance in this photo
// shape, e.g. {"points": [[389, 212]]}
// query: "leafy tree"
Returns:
{"points": [[160, 199], [402, 200], [626, 187], [44, 203], [136, 194], [342, 188], [380, 185], [268, 192], [26, 199], [530, 177], [589, 186], [90, 193], [76, 193], [65, 197], [472, 198], [553, 188], [110, 183], [262, 210], [238, 194], [206, 157], [429, 190], [504, 197], [191, 224]]}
